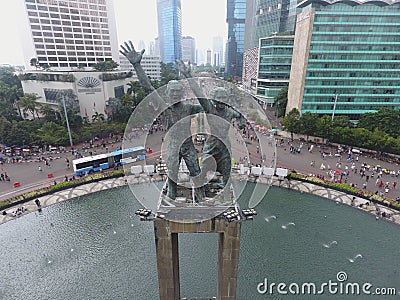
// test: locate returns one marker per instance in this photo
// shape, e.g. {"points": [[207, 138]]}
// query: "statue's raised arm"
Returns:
{"points": [[135, 58], [186, 71]]}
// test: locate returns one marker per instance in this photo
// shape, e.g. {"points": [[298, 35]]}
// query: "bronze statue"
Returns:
{"points": [[217, 147], [175, 114]]}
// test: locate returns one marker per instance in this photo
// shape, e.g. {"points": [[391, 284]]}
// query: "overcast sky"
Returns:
{"points": [[136, 20]]}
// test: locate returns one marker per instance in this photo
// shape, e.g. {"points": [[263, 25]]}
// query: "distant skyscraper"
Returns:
{"points": [[218, 50], [267, 17], [68, 34], [141, 45], [208, 56], [170, 29], [200, 56], [188, 49], [152, 49], [250, 12], [157, 46], [236, 16]]}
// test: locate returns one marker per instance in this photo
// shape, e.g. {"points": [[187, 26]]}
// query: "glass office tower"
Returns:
{"points": [[236, 16], [170, 29], [348, 51], [270, 17], [265, 18], [274, 65]]}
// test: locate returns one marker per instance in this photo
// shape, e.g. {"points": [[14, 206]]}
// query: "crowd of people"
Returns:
{"points": [[340, 164]]}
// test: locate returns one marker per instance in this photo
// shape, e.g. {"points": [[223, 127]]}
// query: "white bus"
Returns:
{"points": [[95, 163]]}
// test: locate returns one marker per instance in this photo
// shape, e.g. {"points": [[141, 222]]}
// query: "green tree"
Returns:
{"points": [[133, 87], [8, 77], [169, 72], [9, 102], [48, 113], [45, 67], [53, 134], [342, 121], [98, 117], [73, 109], [291, 122], [28, 103], [324, 126], [308, 124], [10, 92], [34, 62], [105, 66], [385, 119], [20, 132], [127, 102], [5, 126], [281, 101], [114, 109]]}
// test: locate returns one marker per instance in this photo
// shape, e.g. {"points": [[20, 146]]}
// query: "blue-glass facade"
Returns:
{"points": [[170, 29], [274, 64], [354, 54], [271, 17], [236, 17]]}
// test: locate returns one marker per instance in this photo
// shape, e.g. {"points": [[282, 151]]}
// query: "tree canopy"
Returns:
{"points": [[105, 66], [281, 101]]}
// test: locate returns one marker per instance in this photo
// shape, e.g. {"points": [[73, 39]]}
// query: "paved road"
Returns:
{"points": [[29, 176], [302, 164]]}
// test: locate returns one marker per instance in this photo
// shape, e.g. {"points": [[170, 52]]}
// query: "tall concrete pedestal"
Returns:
{"points": [[166, 237]]}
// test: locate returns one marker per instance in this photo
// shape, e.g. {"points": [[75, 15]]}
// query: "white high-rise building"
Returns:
{"points": [[151, 65], [157, 46], [189, 49], [69, 34], [151, 49], [200, 54], [141, 45], [218, 50], [208, 56]]}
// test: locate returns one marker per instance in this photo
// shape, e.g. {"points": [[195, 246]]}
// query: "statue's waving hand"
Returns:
{"points": [[128, 50]]}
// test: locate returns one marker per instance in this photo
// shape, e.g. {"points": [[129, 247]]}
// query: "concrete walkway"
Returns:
{"points": [[339, 197]]}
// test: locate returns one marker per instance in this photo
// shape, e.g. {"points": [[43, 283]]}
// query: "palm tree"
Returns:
{"points": [[28, 103], [47, 112], [85, 120], [114, 108], [11, 95], [34, 62], [98, 117], [127, 102], [134, 86]]}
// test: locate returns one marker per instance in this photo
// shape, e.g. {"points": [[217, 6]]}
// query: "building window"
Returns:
{"points": [[119, 91]]}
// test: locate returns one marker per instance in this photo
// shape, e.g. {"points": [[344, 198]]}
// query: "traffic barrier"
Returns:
{"points": [[17, 184]]}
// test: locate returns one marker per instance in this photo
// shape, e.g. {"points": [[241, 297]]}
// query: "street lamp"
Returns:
{"points": [[66, 119], [334, 106]]}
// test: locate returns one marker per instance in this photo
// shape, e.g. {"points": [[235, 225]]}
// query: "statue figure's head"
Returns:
{"points": [[220, 97], [174, 91]]}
